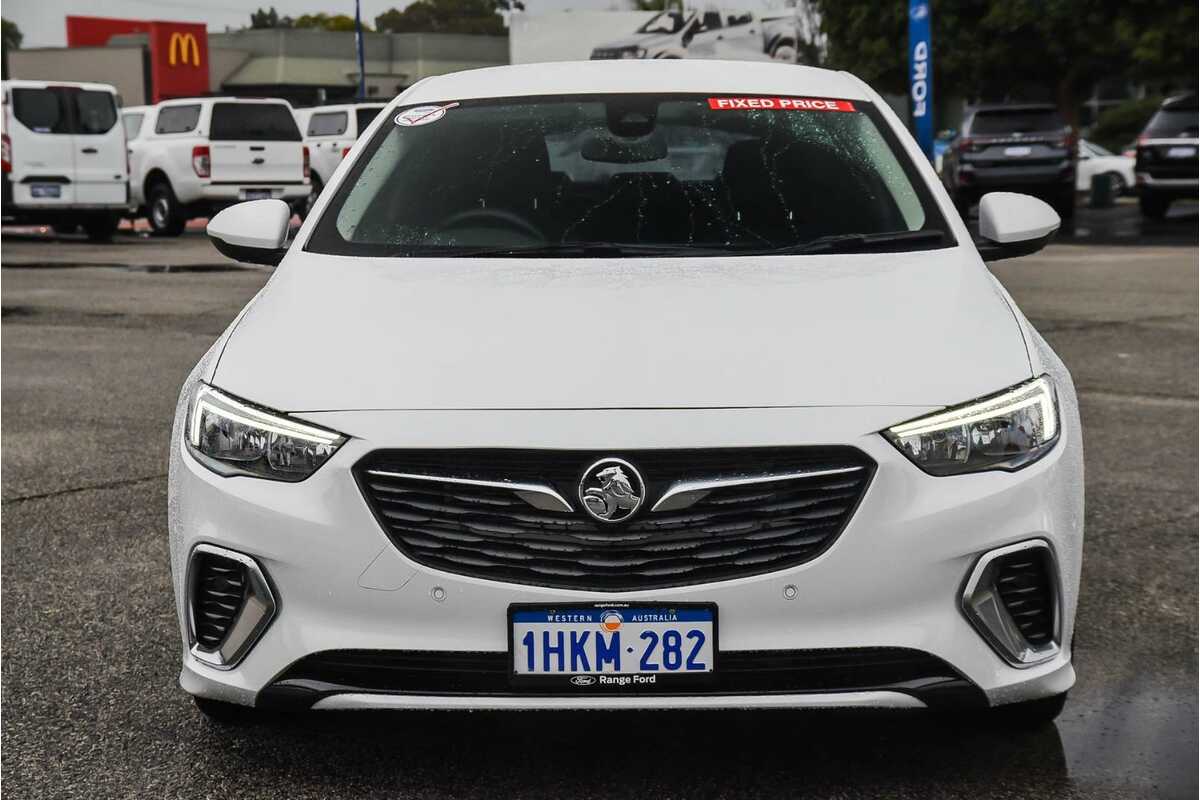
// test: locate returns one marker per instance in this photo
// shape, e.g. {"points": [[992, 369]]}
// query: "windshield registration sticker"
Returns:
{"points": [[778, 104], [422, 115]]}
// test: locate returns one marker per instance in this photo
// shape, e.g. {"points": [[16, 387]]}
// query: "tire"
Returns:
{"points": [[101, 228], [64, 229], [222, 713], [1030, 713], [785, 51], [166, 217], [1117, 183], [1153, 206]]}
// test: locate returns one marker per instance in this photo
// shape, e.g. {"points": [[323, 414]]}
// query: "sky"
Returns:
{"points": [[42, 21]]}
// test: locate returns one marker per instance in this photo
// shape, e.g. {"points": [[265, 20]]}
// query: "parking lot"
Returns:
{"points": [[96, 341]]}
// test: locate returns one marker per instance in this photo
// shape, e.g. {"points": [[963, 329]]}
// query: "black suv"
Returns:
{"points": [[1012, 148], [1166, 156]]}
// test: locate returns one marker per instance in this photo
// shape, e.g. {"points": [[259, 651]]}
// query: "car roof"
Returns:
{"points": [[24, 84], [342, 107], [1183, 101], [135, 109], [684, 76], [221, 99]]}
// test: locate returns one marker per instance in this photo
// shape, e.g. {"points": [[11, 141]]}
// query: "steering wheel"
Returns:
{"points": [[507, 218]]}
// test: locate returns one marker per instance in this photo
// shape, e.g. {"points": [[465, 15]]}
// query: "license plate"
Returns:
{"points": [[45, 190], [616, 646], [1181, 152], [258, 194], [1017, 151]]}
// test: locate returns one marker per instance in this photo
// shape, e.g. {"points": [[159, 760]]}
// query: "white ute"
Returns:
{"points": [[63, 156], [329, 133], [196, 156]]}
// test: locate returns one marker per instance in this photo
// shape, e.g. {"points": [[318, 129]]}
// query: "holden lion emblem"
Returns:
{"points": [[611, 490]]}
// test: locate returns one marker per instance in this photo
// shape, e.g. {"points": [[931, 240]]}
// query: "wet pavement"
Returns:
{"points": [[92, 361]]}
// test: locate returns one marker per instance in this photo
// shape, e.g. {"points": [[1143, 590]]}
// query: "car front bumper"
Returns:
{"points": [[894, 578]]}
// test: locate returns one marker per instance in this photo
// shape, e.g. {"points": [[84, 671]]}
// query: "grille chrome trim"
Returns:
{"points": [[539, 496], [685, 493]]}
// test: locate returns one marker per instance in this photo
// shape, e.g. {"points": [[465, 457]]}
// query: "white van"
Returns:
{"points": [[329, 133], [193, 157], [63, 156]]}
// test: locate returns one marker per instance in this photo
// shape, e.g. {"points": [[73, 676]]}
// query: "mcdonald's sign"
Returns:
{"points": [[178, 51], [181, 47]]}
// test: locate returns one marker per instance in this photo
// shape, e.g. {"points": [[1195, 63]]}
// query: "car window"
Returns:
{"points": [[133, 124], [253, 122], [331, 123], [96, 112], [177, 119], [1173, 123], [41, 110], [664, 22], [671, 171], [364, 117], [710, 21], [739, 19], [1002, 121]]}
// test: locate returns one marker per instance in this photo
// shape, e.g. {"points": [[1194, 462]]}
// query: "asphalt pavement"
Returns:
{"points": [[92, 361]]}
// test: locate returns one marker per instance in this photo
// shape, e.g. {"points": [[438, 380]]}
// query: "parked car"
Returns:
{"points": [[63, 156], [194, 157], [1095, 160], [534, 414], [1012, 147], [1166, 156], [713, 33], [329, 133]]}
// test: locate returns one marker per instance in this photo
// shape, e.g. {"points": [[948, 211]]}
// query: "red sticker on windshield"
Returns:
{"points": [[778, 104]]}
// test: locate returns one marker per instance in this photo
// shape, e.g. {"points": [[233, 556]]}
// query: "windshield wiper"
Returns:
{"points": [[584, 250], [848, 242]]}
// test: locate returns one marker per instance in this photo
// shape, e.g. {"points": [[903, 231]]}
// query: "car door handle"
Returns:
{"points": [[257, 148], [91, 151], [258, 161]]}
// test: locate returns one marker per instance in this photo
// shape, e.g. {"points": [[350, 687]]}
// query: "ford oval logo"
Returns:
{"points": [[582, 680]]}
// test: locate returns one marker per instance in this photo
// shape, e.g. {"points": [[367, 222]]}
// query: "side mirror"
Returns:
{"points": [[1012, 225], [255, 231]]}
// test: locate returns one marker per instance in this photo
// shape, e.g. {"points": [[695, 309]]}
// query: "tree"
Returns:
{"points": [[447, 16], [268, 19], [12, 38], [327, 22], [984, 49]]}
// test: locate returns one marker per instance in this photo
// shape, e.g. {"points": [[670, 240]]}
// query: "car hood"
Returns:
{"points": [[331, 333]]}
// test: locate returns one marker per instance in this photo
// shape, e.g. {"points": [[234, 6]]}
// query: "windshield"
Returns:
{"points": [[688, 175], [1174, 123], [666, 22]]}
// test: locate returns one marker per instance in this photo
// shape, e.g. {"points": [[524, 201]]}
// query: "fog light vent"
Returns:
{"points": [[1025, 585], [219, 594], [229, 605], [1012, 598]]}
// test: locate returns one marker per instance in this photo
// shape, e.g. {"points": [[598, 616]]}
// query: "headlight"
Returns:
{"points": [[633, 52], [232, 437], [1005, 431]]}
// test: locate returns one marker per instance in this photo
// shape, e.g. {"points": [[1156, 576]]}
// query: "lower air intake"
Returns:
{"points": [[230, 604], [1012, 597]]}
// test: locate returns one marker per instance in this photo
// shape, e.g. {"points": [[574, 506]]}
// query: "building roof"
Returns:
{"points": [[658, 75]]}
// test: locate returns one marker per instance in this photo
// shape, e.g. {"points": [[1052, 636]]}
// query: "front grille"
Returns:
{"points": [[1024, 581], [751, 672], [218, 588], [490, 532]]}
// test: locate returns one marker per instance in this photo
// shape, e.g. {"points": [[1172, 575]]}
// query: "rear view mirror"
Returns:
{"points": [[1012, 225], [255, 231]]}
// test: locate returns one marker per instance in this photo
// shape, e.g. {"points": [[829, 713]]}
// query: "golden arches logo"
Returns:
{"points": [[181, 45]]}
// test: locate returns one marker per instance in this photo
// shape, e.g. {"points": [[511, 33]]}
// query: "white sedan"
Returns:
{"points": [[1095, 160], [630, 384]]}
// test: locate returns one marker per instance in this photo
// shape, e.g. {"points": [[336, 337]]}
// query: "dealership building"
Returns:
{"points": [[149, 61]]}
